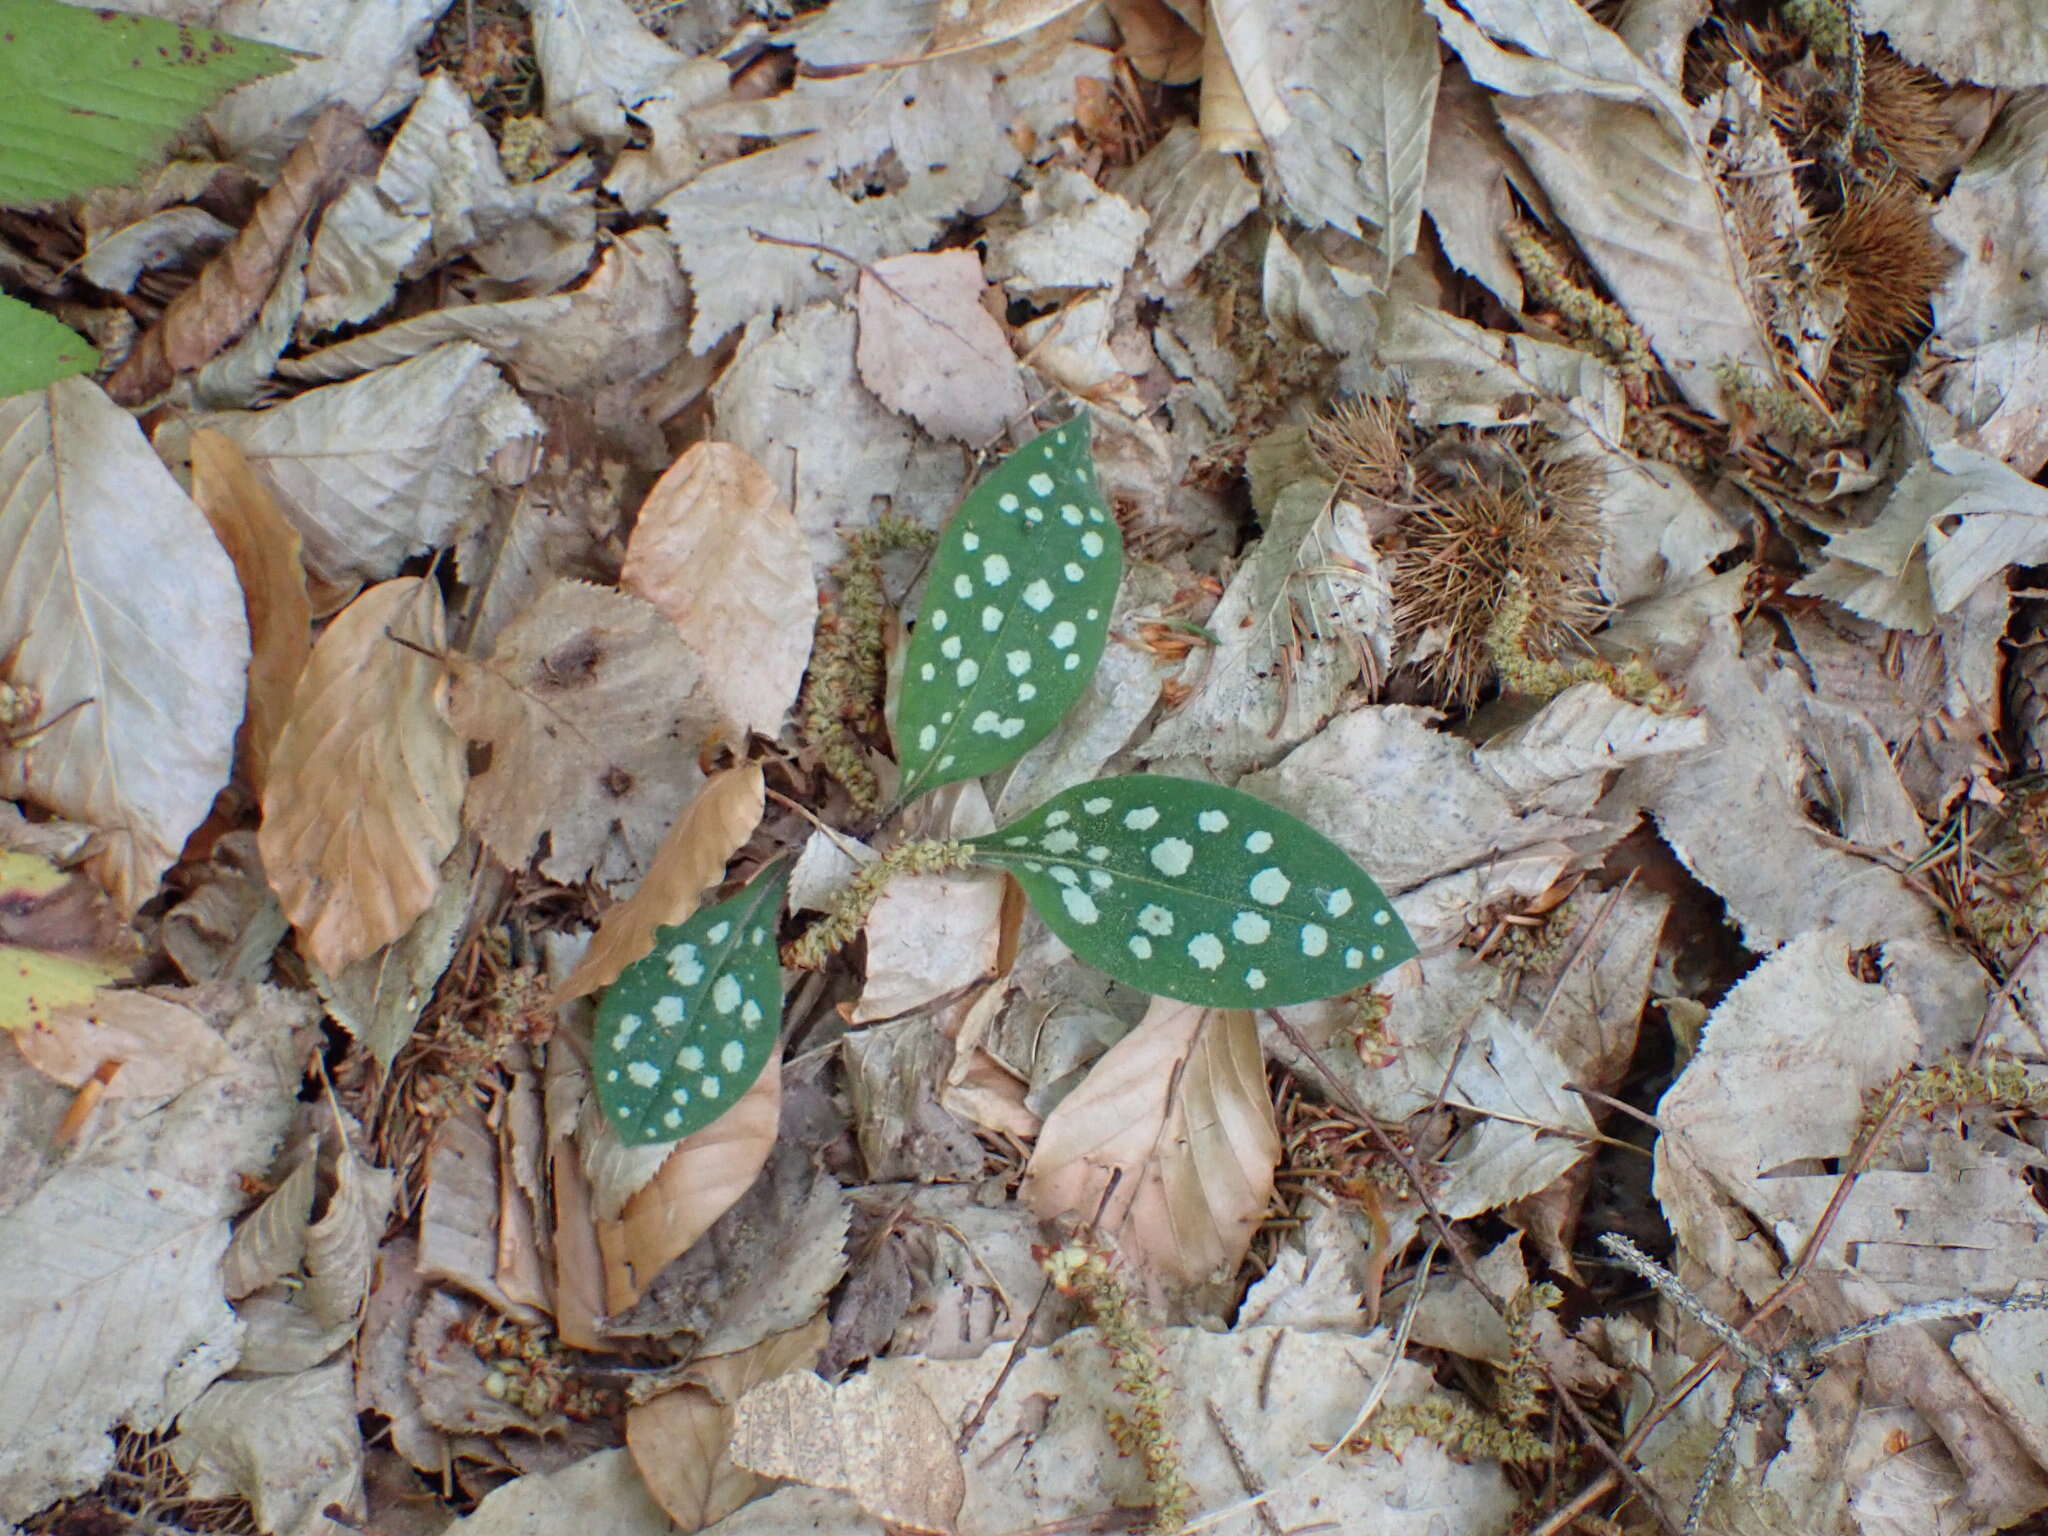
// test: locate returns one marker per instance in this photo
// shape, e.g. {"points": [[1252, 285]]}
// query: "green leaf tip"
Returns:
{"points": [[1192, 891], [1016, 612], [36, 351], [88, 97], [687, 1028]]}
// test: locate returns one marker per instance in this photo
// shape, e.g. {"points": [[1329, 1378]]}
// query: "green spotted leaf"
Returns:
{"points": [[1192, 891], [1015, 614], [686, 1029]]}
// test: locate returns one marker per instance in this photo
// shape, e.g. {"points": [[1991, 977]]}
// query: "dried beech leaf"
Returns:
{"points": [[691, 859], [706, 1173], [265, 549], [680, 1440], [163, 1047], [1179, 1107], [365, 794], [930, 350], [1158, 43], [978, 23], [886, 1448], [271, 1241], [717, 549], [121, 617], [594, 710]]}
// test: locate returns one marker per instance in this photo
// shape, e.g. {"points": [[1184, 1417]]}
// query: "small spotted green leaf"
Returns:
{"points": [[1015, 614], [1205, 894], [686, 1028]]}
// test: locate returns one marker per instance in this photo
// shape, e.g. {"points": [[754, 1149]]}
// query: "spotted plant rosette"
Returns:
{"points": [[1016, 610], [686, 1028], [1201, 893]]}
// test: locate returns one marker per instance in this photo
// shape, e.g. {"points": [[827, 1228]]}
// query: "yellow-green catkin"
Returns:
{"points": [[1540, 677], [1144, 1430], [843, 702], [849, 910]]}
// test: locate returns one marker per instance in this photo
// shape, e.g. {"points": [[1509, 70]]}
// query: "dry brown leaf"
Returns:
{"points": [[680, 1440], [265, 549], [365, 792], [231, 288], [163, 1047], [1180, 1108], [718, 550], [594, 711], [701, 1180], [692, 859], [1158, 43], [930, 350], [966, 24], [886, 1447]]}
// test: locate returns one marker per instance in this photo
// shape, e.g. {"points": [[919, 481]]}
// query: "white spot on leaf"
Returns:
{"points": [[1091, 544], [1038, 597], [1171, 856], [1019, 662], [995, 570], [1258, 842], [1314, 940], [1080, 906], [1141, 946], [1063, 634], [1155, 920], [684, 969], [1041, 484], [1206, 950], [1142, 818], [725, 994], [1213, 821], [1270, 886], [732, 1056], [963, 585], [691, 1058], [642, 1073], [1250, 928], [1096, 806]]}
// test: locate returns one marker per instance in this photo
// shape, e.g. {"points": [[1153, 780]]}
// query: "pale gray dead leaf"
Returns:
{"points": [[1530, 1128], [288, 1444], [823, 868], [594, 709], [1405, 801], [438, 192], [890, 1451], [894, 1072], [362, 53], [122, 618], [1072, 349], [380, 997], [624, 323], [867, 165], [930, 349], [1469, 193], [1343, 98], [596, 62], [1997, 42], [115, 258], [141, 1211], [1580, 735], [1307, 615], [1956, 519], [601, 1495], [1556, 46], [791, 398], [1661, 535], [1308, 1287], [389, 465], [1194, 200], [676, 149], [1068, 1468], [931, 935], [270, 1243], [241, 375], [384, 1378], [1455, 371], [1642, 203], [1998, 394], [2000, 1356], [1068, 233], [1735, 814], [1996, 217]]}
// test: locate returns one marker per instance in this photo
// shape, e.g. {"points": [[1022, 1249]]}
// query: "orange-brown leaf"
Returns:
{"points": [[265, 549], [365, 792]]}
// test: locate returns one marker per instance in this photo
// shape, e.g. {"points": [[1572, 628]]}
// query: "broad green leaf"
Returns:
{"points": [[87, 97], [686, 1029], [1193, 891], [1015, 614], [36, 350]]}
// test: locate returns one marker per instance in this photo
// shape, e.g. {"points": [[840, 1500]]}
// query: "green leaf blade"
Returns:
{"points": [[687, 1028], [88, 97], [36, 351], [1193, 891], [1016, 613]]}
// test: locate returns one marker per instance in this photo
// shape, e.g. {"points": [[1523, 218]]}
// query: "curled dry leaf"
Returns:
{"points": [[884, 1446], [930, 350], [1179, 1107], [365, 792], [162, 1047], [718, 550], [231, 288], [265, 549], [702, 1179], [681, 1440], [593, 709], [122, 624]]}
